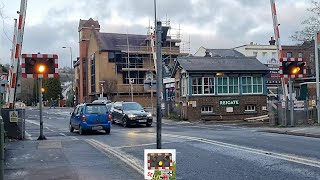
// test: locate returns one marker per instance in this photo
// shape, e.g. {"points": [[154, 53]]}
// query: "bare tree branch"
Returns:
{"points": [[311, 25], [110, 86]]}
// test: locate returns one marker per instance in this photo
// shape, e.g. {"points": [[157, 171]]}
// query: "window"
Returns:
{"points": [[289, 54], [223, 85], [136, 77], [111, 57], [202, 85], [300, 54], [228, 85], [135, 61], [208, 86], [197, 85], [184, 86], [93, 73], [264, 54], [274, 54], [255, 54], [252, 85], [250, 108], [206, 109]]}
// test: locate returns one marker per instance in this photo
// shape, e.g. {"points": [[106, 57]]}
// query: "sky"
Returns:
{"points": [[50, 25]]}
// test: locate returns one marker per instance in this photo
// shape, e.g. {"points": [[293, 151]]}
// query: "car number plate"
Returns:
{"points": [[142, 120], [97, 127]]}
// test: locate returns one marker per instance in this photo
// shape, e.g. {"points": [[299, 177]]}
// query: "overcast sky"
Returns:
{"points": [[209, 23]]}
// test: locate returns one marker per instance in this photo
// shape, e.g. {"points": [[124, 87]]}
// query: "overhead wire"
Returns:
{"points": [[3, 23]]}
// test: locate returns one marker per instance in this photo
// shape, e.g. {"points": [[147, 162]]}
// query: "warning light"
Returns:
{"points": [[295, 70], [41, 68]]}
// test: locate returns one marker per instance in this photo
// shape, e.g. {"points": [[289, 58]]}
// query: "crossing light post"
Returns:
{"points": [[41, 90], [293, 69]]}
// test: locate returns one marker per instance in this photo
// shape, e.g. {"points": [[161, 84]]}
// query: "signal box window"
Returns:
{"points": [[206, 109], [250, 108]]}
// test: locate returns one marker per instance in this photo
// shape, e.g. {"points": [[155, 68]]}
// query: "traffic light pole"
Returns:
{"points": [[159, 81], [41, 137]]}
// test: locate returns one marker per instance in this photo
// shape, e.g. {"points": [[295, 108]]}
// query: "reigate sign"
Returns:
{"points": [[229, 102]]}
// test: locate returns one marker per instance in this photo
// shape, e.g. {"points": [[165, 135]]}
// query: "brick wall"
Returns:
{"points": [[194, 113], [307, 49], [144, 100]]}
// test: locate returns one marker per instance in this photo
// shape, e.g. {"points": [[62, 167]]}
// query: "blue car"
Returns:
{"points": [[90, 117]]}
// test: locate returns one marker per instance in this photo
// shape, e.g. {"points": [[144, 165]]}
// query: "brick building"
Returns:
{"points": [[305, 50], [118, 63], [220, 88]]}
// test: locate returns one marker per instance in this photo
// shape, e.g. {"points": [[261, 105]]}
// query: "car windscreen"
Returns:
{"points": [[96, 109], [132, 106], [109, 106]]}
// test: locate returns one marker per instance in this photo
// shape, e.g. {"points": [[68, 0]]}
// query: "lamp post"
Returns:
{"points": [[102, 89], [71, 67]]}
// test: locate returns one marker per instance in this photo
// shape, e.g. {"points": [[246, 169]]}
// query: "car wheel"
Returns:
{"points": [[108, 130], [148, 125], [125, 124], [71, 129], [81, 131]]}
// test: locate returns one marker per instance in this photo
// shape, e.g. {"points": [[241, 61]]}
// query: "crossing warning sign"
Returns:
{"points": [[13, 116]]}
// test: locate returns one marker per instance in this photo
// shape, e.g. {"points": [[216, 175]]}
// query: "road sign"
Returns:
{"points": [[159, 163], [39, 66], [13, 116]]}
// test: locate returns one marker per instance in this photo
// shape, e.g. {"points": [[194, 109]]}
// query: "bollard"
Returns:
{"points": [[1, 148]]}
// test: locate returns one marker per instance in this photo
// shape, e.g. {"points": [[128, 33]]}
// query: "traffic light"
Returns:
{"points": [[40, 65], [293, 67], [43, 90]]}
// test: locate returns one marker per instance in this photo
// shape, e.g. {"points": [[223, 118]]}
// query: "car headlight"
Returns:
{"points": [[132, 116], [149, 115]]}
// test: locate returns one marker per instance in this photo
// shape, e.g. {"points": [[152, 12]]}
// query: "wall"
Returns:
{"points": [[144, 100], [194, 113], [248, 50], [308, 54], [92, 48]]}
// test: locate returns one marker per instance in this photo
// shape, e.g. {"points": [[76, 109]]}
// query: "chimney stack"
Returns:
{"points": [[272, 41], [207, 54]]}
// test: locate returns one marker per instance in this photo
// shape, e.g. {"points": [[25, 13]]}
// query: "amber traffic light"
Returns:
{"points": [[43, 90], [293, 68], [39, 66]]}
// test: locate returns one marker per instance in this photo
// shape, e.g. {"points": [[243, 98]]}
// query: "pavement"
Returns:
{"points": [[307, 131], [204, 151]]}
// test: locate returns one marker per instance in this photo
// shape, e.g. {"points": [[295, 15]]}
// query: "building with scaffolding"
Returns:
{"points": [[116, 65]]}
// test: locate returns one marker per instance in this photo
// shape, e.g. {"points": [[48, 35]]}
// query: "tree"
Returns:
{"points": [[109, 87], [52, 88], [311, 25], [27, 91]]}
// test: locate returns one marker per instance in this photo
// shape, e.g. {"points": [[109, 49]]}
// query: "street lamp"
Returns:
{"points": [[71, 67], [102, 89]]}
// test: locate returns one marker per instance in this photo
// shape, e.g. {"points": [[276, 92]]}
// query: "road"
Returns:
{"points": [[203, 151]]}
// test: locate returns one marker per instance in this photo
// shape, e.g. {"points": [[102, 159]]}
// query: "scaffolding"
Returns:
{"points": [[135, 59]]}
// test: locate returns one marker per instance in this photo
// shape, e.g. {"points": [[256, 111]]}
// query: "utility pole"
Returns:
{"points": [[316, 55], [159, 81], [41, 137]]}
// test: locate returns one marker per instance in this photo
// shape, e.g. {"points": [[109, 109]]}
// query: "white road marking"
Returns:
{"points": [[298, 130], [62, 134], [137, 145], [74, 138], [129, 160], [291, 158]]}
